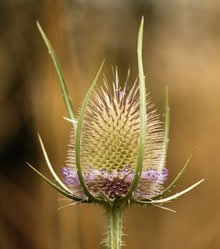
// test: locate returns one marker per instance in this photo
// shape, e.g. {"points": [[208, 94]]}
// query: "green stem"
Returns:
{"points": [[114, 227]]}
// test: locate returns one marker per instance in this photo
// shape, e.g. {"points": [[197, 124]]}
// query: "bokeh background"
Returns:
{"points": [[181, 51]]}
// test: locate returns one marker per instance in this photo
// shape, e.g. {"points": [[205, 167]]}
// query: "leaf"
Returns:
{"points": [[57, 179], [180, 174], [60, 190], [62, 83], [78, 138], [143, 115], [172, 197]]}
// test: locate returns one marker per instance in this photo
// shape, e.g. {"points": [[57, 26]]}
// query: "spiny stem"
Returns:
{"points": [[114, 227]]}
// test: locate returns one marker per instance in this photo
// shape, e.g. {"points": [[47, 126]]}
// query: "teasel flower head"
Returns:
{"points": [[117, 150], [109, 146]]}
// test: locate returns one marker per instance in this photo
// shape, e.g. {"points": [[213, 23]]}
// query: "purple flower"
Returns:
{"points": [[116, 184]]}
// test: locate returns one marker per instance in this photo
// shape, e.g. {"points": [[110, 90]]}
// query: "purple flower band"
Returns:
{"points": [[116, 183]]}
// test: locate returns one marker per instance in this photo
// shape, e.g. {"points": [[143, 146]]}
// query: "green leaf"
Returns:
{"points": [[143, 115], [78, 138], [57, 179], [180, 174], [63, 86], [60, 190], [172, 197]]}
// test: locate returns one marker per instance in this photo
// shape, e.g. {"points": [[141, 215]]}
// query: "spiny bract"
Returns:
{"points": [[109, 144]]}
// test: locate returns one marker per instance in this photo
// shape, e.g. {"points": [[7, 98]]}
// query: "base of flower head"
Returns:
{"points": [[116, 184]]}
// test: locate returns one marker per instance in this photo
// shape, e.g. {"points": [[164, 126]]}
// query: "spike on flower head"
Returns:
{"points": [[109, 144]]}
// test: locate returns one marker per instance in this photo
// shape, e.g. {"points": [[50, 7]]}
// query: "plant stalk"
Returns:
{"points": [[114, 227]]}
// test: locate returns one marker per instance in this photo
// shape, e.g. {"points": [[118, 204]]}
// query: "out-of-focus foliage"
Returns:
{"points": [[181, 50]]}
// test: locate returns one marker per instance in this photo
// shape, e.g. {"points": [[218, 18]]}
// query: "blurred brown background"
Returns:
{"points": [[181, 51]]}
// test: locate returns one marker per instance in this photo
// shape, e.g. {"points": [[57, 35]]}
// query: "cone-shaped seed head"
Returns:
{"points": [[109, 143]]}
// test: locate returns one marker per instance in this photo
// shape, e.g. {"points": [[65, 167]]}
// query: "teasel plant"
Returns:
{"points": [[117, 152]]}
